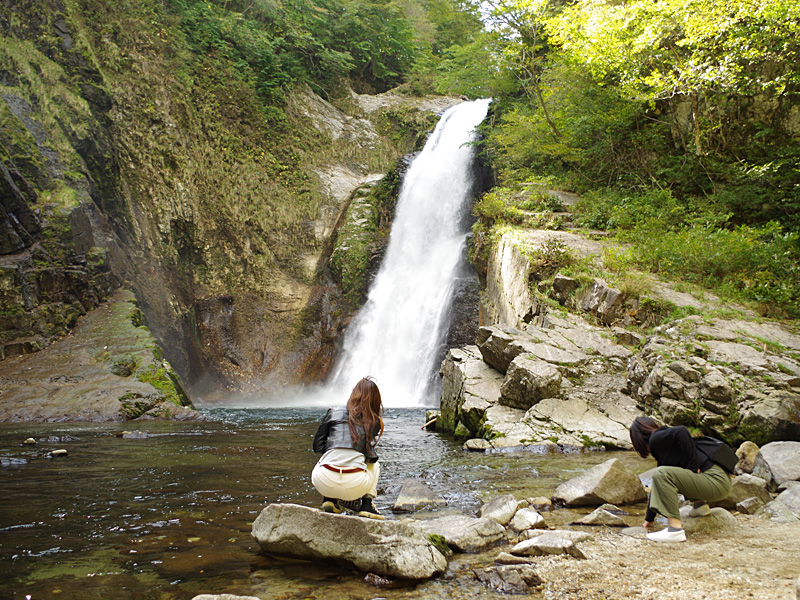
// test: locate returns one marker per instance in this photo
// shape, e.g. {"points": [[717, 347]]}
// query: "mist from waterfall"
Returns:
{"points": [[399, 333]]}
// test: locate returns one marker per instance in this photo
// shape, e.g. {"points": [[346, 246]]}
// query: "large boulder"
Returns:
{"points": [[469, 388], [610, 482], [528, 381], [463, 533], [743, 488], [783, 460], [387, 548]]}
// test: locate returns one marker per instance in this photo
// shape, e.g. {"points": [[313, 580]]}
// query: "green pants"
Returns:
{"points": [[708, 486]]}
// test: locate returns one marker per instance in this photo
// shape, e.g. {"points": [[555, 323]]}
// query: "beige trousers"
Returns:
{"points": [[346, 486]]}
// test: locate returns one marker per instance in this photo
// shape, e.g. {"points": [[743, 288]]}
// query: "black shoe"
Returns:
{"points": [[368, 510], [331, 505]]}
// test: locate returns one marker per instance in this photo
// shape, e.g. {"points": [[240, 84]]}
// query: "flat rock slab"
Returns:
{"points": [[601, 516], [387, 548]]}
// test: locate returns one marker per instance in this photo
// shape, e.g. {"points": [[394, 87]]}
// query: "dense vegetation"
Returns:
{"points": [[678, 120]]}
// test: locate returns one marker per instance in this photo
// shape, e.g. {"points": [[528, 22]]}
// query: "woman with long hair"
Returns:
{"points": [[347, 473], [681, 469]]}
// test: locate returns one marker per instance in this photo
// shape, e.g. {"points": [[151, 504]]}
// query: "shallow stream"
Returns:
{"points": [[167, 514]]}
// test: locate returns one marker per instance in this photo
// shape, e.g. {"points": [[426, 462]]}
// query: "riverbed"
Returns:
{"points": [[164, 511]]}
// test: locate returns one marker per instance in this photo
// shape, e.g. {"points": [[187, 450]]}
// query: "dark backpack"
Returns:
{"points": [[717, 452]]}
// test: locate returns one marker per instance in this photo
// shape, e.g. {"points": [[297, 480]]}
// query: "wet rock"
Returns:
{"points": [[552, 542], [527, 518], [387, 548], [510, 579], [12, 462], [29, 442], [477, 445], [529, 381], [610, 481], [462, 533], [57, 453], [414, 494], [541, 503], [500, 509], [383, 582]]}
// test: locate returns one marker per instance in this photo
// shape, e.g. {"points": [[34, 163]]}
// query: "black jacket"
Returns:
{"points": [[334, 432], [674, 447]]}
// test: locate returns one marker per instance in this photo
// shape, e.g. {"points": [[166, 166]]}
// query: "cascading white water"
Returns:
{"points": [[398, 333]]}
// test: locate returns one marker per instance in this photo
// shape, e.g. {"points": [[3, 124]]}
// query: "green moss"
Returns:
{"points": [[166, 382], [439, 542]]}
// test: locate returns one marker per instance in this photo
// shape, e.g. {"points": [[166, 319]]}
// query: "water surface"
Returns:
{"points": [[168, 516]]}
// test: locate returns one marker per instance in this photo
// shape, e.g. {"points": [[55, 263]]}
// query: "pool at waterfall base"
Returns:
{"points": [[163, 510]]}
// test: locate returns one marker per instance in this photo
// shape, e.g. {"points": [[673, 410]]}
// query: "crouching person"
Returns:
{"points": [[347, 473]]}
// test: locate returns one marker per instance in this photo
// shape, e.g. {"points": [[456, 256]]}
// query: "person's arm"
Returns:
{"points": [[321, 437]]}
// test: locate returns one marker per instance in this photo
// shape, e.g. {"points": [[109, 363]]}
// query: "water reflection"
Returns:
{"points": [[168, 515]]}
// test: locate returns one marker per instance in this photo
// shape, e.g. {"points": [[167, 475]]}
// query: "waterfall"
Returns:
{"points": [[398, 334]]}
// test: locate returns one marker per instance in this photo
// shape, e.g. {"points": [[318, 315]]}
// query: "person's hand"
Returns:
{"points": [[647, 524]]}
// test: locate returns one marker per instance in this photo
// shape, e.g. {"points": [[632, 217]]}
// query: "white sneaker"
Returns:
{"points": [[700, 510], [665, 535]]}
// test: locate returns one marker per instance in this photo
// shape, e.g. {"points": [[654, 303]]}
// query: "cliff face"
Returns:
{"points": [[127, 158]]}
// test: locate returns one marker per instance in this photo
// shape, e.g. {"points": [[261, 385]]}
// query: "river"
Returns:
{"points": [[168, 516]]}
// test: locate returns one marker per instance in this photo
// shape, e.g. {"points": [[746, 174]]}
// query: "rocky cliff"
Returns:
{"points": [[125, 158], [570, 361]]}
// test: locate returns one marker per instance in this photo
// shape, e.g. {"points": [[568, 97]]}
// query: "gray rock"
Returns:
{"points": [[790, 498], [778, 512], [717, 520], [563, 286], [529, 381], [610, 481], [750, 506], [637, 532], [627, 337], [492, 343], [224, 597], [510, 579], [415, 494], [772, 416], [527, 518], [601, 516], [744, 487], [783, 459], [462, 533], [715, 387], [477, 445], [500, 509], [603, 301], [387, 548], [552, 542], [504, 558], [685, 371]]}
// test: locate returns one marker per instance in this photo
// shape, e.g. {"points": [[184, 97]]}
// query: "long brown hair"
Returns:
{"points": [[641, 430], [365, 409]]}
